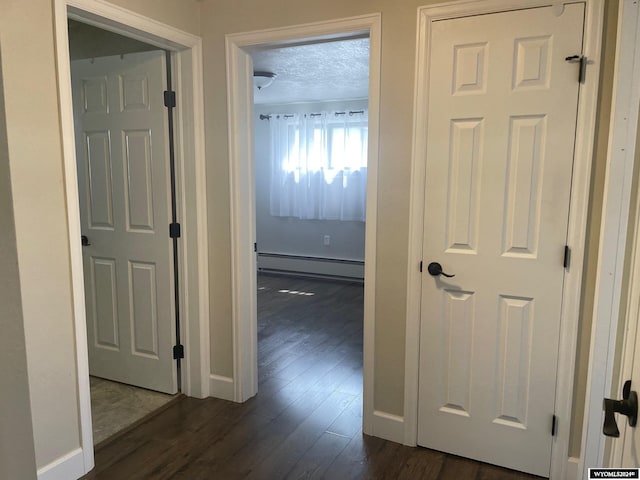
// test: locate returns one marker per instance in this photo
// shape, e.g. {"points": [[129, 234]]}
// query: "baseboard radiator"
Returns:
{"points": [[317, 267]]}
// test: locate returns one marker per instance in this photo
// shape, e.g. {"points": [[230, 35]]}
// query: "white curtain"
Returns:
{"points": [[319, 165]]}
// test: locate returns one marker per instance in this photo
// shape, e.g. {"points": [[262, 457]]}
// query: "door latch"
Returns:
{"points": [[582, 60], [435, 269], [627, 406]]}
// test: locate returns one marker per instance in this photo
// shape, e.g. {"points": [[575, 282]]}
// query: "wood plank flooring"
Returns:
{"points": [[305, 422]]}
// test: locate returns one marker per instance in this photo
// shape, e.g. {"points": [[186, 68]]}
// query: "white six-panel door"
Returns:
{"points": [[500, 147], [123, 180]]}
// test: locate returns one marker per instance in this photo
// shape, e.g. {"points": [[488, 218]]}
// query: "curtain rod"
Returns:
{"points": [[287, 115]]}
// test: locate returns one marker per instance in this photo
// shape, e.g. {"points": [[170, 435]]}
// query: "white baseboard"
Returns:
{"points": [[320, 267], [572, 468], [67, 467], [221, 387], [388, 426]]}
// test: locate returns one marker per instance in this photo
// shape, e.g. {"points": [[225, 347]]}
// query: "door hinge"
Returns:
{"points": [[567, 257], [169, 98], [174, 230], [255, 247], [554, 425], [178, 351], [420, 266], [582, 60]]}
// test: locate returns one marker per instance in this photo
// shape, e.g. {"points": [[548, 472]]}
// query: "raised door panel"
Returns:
{"points": [[465, 171], [143, 299], [98, 163], [514, 361], [139, 179], [104, 303], [457, 345], [523, 196]]}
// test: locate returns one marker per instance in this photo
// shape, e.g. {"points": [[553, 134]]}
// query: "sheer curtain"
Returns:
{"points": [[319, 165]]}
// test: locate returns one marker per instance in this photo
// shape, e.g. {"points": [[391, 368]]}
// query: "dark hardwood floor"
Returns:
{"points": [[305, 421]]}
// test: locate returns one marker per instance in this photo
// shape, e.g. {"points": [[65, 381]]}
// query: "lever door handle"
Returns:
{"points": [[628, 406], [435, 269], [85, 241]]}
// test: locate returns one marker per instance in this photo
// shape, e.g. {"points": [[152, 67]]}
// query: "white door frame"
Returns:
{"points": [[190, 162], [244, 383], [607, 325], [577, 217]]}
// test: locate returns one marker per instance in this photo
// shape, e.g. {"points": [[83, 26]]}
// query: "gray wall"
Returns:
{"points": [[17, 454], [291, 235], [34, 144], [86, 41]]}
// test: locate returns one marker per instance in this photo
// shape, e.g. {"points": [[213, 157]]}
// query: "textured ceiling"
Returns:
{"points": [[315, 72]]}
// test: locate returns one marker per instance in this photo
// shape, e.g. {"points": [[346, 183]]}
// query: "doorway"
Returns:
{"points": [[125, 198], [190, 163], [310, 144], [240, 95]]}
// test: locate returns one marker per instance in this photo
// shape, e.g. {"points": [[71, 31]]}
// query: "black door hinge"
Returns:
{"points": [[255, 247], [582, 60], [554, 425], [567, 257], [169, 98], [174, 230], [420, 266], [178, 351]]}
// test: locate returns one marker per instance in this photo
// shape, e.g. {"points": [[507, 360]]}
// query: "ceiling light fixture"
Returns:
{"points": [[263, 79]]}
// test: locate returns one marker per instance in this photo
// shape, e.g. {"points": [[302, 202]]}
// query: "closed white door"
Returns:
{"points": [[123, 180], [500, 147]]}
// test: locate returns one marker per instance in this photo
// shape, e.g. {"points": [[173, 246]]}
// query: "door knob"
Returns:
{"points": [[435, 269], [627, 406], [85, 241]]}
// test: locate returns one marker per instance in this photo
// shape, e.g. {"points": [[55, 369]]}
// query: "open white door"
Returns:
{"points": [[500, 148], [124, 189]]}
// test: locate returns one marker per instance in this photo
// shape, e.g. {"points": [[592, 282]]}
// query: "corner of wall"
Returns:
{"points": [[388, 426], [17, 455], [67, 467]]}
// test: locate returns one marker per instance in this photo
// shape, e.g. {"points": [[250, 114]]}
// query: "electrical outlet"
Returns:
{"points": [[327, 240]]}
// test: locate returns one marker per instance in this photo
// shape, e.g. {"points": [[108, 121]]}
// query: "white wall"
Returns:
{"points": [[293, 236]]}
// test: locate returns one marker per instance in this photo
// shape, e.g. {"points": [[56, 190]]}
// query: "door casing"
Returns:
{"points": [[244, 383], [612, 323], [576, 237], [190, 164]]}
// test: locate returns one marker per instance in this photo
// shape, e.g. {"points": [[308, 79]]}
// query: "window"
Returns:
{"points": [[319, 165]]}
